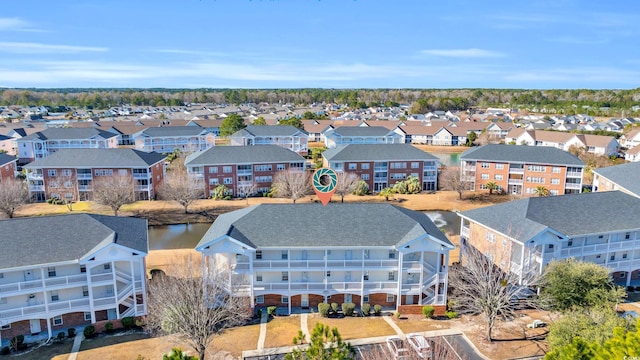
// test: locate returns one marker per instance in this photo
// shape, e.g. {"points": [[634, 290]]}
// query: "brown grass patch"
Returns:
{"points": [[418, 323], [281, 330], [127, 347], [236, 340], [354, 328], [58, 351]]}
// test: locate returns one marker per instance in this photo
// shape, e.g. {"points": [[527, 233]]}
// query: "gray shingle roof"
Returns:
{"points": [[242, 155], [269, 130], [174, 131], [572, 215], [361, 131], [69, 133], [117, 158], [376, 152], [521, 154], [625, 175], [49, 239], [303, 225], [5, 159]]}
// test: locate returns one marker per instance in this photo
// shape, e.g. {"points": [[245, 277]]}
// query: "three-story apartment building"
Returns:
{"points": [[286, 136], [7, 167], [44, 143], [382, 165], [244, 170], [166, 139], [344, 135], [72, 173], [302, 255], [522, 236], [519, 170], [63, 271], [624, 177]]}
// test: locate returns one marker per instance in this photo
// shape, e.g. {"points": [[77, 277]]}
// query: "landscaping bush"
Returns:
{"points": [[334, 307], [5, 351], [323, 309], [377, 309], [71, 333], [397, 314], [89, 332], [630, 288], [108, 327], [637, 288], [428, 311], [271, 310], [17, 343], [128, 322], [61, 336], [366, 309], [451, 314], [348, 309], [259, 313]]}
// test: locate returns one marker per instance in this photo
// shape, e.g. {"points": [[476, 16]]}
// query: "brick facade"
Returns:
{"points": [[68, 320], [8, 171], [314, 300], [440, 310]]}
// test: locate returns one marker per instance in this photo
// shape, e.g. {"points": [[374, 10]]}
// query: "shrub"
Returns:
{"points": [[334, 307], [61, 335], [377, 309], [108, 327], [259, 313], [428, 311], [451, 314], [17, 343], [366, 309], [323, 309], [271, 310], [5, 351], [128, 322], [178, 354], [89, 331], [348, 308], [71, 333], [397, 314]]}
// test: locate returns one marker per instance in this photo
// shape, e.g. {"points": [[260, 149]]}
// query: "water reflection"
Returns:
{"points": [[448, 159], [178, 236], [447, 221]]}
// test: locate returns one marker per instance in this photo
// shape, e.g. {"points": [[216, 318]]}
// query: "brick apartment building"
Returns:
{"points": [[519, 170], [71, 173], [7, 167]]}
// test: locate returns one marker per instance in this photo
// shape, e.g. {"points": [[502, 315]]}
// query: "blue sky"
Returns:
{"points": [[321, 44]]}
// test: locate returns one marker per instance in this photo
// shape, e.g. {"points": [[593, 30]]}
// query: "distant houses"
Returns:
{"points": [[596, 144], [286, 136]]}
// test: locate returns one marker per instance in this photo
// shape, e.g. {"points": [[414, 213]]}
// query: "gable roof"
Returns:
{"points": [[625, 175], [521, 154], [50, 239], [269, 130], [116, 158], [255, 154], [376, 152], [571, 215], [362, 131], [69, 133], [305, 225], [5, 159], [174, 131]]}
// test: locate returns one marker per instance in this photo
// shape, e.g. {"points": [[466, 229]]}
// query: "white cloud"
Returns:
{"points": [[189, 52], [30, 48], [463, 53], [15, 24]]}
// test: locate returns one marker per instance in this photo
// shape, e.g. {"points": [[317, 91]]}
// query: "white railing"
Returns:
{"points": [[411, 265], [104, 301], [240, 266], [464, 231], [516, 268], [140, 309], [23, 311], [124, 276], [141, 175], [70, 304], [370, 263], [307, 286], [261, 264], [572, 186], [243, 172], [21, 286], [584, 250], [81, 176], [515, 182], [344, 263], [429, 266], [380, 285], [129, 312], [122, 294], [142, 187], [85, 187], [574, 174], [344, 285], [430, 280], [102, 277], [35, 176], [65, 280], [624, 245], [624, 264], [36, 187], [516, 170], [307, 263]]}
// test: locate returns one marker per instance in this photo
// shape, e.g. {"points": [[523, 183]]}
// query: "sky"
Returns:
{"points": [[540, 44]]}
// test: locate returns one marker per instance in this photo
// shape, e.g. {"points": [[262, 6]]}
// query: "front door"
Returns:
{"points": [[111, 314], [28, 275], [34, 325], [304, 300], [408, 300]]}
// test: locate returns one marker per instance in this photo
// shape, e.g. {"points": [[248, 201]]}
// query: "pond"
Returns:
{"points": [[187, 236], [448, 159]]}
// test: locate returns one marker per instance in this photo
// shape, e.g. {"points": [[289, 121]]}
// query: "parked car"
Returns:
{"points": [[536, 324]]}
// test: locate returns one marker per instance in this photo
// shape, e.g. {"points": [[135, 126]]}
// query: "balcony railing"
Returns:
{"points": [[516, 170], [84, 176], [142, 187], [102, 277], [572, 186], [515, 182], [34, 176], [70, 304], [52, 282], [584, 250], [574, 174], [380, 285], [36, 187], [21, 286], [464, 231], [111, 300], [141, 175], [65, 280], [307, 264]]}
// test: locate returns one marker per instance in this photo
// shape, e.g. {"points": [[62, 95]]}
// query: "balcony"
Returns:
{"points": [[85, 187], [49, 283], [243, 172], [145, 175], [516, 170], [84, 176], [270, 264], [306, 264], [574, 174], [307, 286], [464, 231], [344, 285], [70, 304], [34, 176], [515, 182], [36, 187], [110, 301], [97, 278], [65, 280], [381, 285], [142, 188], [584, 250], [572, 186], [380, 168]]}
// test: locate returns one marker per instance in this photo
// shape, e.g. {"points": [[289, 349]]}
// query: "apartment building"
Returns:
{"points": [[519, 170], [345, 135], [45, 142], [7, 167], [624, 177], [244, 170], [383, 165], [70, 270], [522, 236], [302, 255], [286, 136], [596, 144], [71, 174], [167, 139]]}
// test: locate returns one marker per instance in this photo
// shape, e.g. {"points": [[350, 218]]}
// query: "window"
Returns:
{"points": [[85, 291], [3, 300], [328, 252], [264, 179], [570, 243], [279, 167], [627, 236], [103, 172], [392, 254], [227, 169], [263, 167], [499, 166], [213, 170], [484, 176], [391, 298], [285, 276], [51, 271], [348, 298], [284, 255], [555, 181], [66, 172], [504, 242], [258, 254], [260, 299], [214, 181], [485, 165], [52, 173], [1, 276], [123, 172], [550, 246], [600, 236], [555, 170], [366, 275], [228, 181], [398, 176], [54, 295], [535, 180], [353, 166], [87, 316], [554, 192], [5, 327], [624, 256], [398, 165], [285, 299], [365, 298], [364, 177], [68, 184], [415, 165], [497, 177], [392, 276], [258, 276], [57, 320], [107, 266], [364, 166], [491, 237], [613, 257], [536, 168], [328, 273]]}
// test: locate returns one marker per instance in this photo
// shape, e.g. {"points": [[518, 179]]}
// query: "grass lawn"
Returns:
{"points": [[54, 350], [354, 328], [236, 340], [281, 330], [417, 323]]}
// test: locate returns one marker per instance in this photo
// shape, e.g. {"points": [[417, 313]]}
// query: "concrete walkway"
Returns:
{"points": [[77, 341], [304, 326], [394, 326], [263, 330]]}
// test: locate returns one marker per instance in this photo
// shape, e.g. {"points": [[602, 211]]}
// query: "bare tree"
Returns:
{"points": [[180, 187], [487, 138], [194, 312], [346, 184], [68, 186], [450, 179], [247, 189], [13, 194], [291, 183], [113, 191], [479, 287]]}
